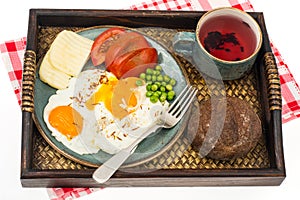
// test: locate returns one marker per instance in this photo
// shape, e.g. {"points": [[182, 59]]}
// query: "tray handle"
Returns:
{"points": [[273, 82], [28, 81]]}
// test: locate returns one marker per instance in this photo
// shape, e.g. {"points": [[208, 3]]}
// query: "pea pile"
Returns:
{"points": [[159, 85]]}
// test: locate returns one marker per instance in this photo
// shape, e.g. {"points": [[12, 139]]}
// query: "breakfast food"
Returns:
{"points": [[124, 53], [65, 59], [52, 76], [98, 111], [159, 85], [226, 137], [103, 107], [102, 42]]}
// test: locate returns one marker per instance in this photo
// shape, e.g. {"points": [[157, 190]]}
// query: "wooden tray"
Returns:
{"points": [[43, 166]]}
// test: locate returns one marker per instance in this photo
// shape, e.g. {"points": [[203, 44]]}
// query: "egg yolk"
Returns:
{"points": [[103, 94], [132, 101], [66, 120], [124, 100], [117, 96]]}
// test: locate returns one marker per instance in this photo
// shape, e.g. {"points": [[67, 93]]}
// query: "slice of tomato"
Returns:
{"points": [[102, 43], [127, 42], [134, 62]]}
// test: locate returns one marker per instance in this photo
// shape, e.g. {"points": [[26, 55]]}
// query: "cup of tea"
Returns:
{"points": [[224, 45]]}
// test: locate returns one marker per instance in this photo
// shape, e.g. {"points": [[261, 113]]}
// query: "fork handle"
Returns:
{"points": [[106, 170]]}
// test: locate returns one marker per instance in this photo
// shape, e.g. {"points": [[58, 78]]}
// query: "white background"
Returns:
{"points": [[282, 23]]}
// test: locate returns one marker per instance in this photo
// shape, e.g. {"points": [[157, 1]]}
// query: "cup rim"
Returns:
{"points": [[234, 10]]}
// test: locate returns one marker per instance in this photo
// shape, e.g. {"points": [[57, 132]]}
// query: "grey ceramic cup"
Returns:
{"points": [[188, 43]]}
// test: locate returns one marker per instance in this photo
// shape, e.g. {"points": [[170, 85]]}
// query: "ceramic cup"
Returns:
{"points": [[224, 45]]}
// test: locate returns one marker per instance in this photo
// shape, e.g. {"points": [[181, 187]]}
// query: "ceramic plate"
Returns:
{"points": [[149, 148]]}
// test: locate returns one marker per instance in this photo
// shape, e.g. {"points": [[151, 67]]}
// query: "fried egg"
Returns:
{"points": [[66, 116], [99, 112], [118, 133]]}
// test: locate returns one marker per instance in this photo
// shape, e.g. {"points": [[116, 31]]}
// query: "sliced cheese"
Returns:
{"points": [[52, 76], [66, 57], [69, 52]]}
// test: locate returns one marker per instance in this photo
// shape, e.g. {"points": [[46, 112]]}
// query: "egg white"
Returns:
{"points": [[75, 95], [118, 134], [101, 130]]}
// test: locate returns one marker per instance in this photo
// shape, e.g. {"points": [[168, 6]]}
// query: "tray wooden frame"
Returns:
{"points": [[181, 20]]}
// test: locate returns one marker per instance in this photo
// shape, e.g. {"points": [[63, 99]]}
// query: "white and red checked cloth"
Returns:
{"points": [[13, 51]]}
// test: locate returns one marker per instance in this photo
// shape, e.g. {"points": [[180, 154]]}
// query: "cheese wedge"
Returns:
{"points": [[52, 76], [69, 52]]}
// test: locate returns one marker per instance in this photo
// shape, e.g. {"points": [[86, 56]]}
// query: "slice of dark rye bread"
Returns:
{"points": [[232, 131]]}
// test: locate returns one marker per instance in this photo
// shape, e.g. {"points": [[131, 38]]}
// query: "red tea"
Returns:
{"points": [[227, 38]]}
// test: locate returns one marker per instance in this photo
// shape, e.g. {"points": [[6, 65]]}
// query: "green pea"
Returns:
{"points": [[143, 76], [172, 82], [171, 93], [164, 94], [153, 78], [162, 98], [148, 87], [149, 93], [148, 77], [158, 68], [167, 78], [155, 72], [162, 88], [170, 98], [139, 82], [149, 82], [163, 83], [157, 93], [160, 78], [154, 87], [153, 99], [149, 71], [157, 83], [169, 87]]}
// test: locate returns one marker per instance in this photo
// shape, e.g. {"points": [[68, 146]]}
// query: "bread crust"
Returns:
{"points": [[227, 130]]}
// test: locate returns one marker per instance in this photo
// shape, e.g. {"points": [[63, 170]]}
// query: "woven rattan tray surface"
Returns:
{"points": [[43, 166], [46, 157]]}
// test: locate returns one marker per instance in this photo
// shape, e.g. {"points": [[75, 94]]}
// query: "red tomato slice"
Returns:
{"points": [[133, 63], [101, 44], [127, 42]]}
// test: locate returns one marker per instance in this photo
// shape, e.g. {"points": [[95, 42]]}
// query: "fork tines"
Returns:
{"points": [[183, 101]]}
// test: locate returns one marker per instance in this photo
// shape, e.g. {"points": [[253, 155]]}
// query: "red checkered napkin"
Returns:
{"points": [[69, 193], [12, 55], [289, 89]]}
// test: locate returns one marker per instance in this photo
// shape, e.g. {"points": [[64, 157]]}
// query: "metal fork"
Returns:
{"points": [[168, 120]]}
